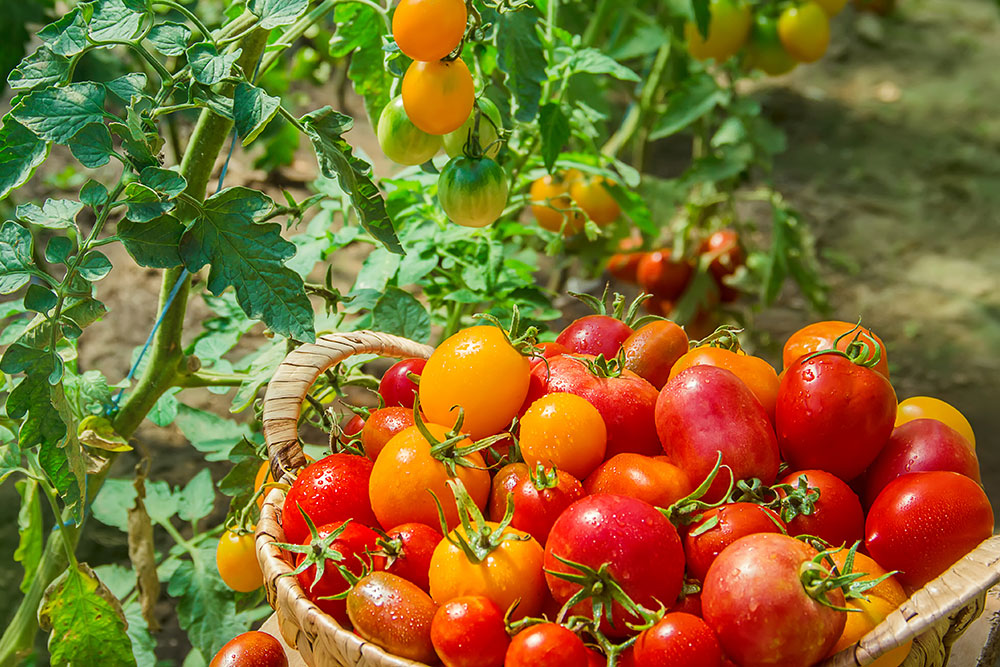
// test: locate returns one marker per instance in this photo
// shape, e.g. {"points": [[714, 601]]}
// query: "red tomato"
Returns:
{"points": [[409, 548], [393, 613], [396, 388], [251, 649], [650, 479], [763, 573], [469, 631], [926, 407], [921, 445], [678, 640], [351, 428], [639, 545], [596, 659], [333, 489], [595, 334], [836, 517], [652, 351], [833, 415], [626, 403], [758, 375], [720, 527], [549, 349], [546, 645], [729, 256], [706, 410], [381, 425], [536, 506], [625, 266], [923, 522], [690, 603], [821, 336], [661, 275]]}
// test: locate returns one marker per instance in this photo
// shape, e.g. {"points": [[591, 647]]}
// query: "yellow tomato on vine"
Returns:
{"points": [[728, 30], [805, 31]]}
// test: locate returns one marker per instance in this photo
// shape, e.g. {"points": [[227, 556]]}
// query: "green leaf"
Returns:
{"points": [[555, 132], [259, 374], [154, 244], [144, 203], [128, 86], [197, 498], [67, 36], [20, 152], [239, 481], [53, 214], [325, 128], [399, 312], [702, 16], [56, 114], [58, 249], [376, 271], [16, 260], [210, 434], [88, 394], [31, 402], [366, 29], [10, 457], [253, 109], [170, 38], [370, 76], [87, 622], [273, 13], [31, 528], [161, 502], [689, 102], [522, 59], [164, 412], [40, 299], [111, 505], [206, 609], [114, 20], [94, 194], [41, 68], [592, 61], [94, 266], [92, 145], [208, 66]]}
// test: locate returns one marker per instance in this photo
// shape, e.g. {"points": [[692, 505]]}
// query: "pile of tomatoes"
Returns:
{"points": [[627, 496], [564, 201]]}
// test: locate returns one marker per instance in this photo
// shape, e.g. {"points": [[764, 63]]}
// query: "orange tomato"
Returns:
{"points": [[926, 407], [406, 474], [821, 335], [758, 375], [653, 350], [429, 29], [870, 613], [552, 206], [381, 426], [595, 200], [890, 589], [236, 558], [651, 479], [438, 96], [565, 431]]}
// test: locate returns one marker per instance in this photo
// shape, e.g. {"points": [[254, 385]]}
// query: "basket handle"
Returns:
{"points": [[298, 372], [963, 582]]}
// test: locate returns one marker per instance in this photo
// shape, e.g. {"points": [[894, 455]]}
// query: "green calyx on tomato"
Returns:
{"points": [[630, 317], [447, 450], [473, 191], [544, 478], [318, 552], [401, 140], [725, 337], [793, 500], [819, 579], [688, 509], [522, 341], [861, 352], [479, 539], [480, 135]]}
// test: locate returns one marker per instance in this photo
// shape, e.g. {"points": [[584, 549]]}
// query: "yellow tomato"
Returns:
{"points": [[805, 31], [728, 30], [831, 7], [859, 623], [438, 96], [565, 431], [236, 559], [595, 200], [926, 407]]}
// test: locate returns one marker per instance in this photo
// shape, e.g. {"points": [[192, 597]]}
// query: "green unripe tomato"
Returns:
{"points": [[454, 142], [473, 192], [401, 140], [765, 51]]}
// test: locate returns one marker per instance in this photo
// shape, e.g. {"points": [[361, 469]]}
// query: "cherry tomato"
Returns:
{"points": [[438, 96], [925, 407], [396, 387], [625, 266], [351, 429], [546, 645], [595, 334], [236, 559], [478, 370], [758, 375], [489, 126], [552, 206], [650, 479], [805, 31], [663, 276], [428, 29], [381, 426], [724, 246], [869, 613], [721, 526], [333, 489], [923, 522], [251, 649], [705, 410], [539, 497], [888, 589], [409, 548], [393, 613], [765, 50], [549, 349], [473, 191], [264, 474], [727, 31], [595, 200], [653, 349], [469, 631], [821, 336], [565, 431], [836, 517], [401, 140], [678, 640]]}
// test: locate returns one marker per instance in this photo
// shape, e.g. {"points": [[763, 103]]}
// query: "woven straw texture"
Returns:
{"points": [[934, 617]]}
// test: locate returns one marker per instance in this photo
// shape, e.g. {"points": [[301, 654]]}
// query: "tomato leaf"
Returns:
{"points": [[170, 38], [127, 87], [693, 99], [592, 61], [253, 109], [41, 68], [16, 259], [210, 434], [20, 152], [702, 16], [110, 507], [274, 13], [206, 609], [153, 244], [68, 35], [555, 132], [399, 312], [31, 528], [40, 299], [94, 266], [53, 214], [258, 374], [92, 145], [58, 249], [208, 66], [56, 114], [165, 410], [197, 498], [522, 59], [115, 20]]}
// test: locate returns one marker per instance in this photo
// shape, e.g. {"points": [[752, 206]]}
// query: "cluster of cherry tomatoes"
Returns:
{"points": [[626, 496], [564, 201]]}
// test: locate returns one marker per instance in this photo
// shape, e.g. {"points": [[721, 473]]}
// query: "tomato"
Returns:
{"points": [[706, 410], [473, 191], [381, 426], [393, 613], [548, 349], [396, 387], [821, 336], [921, 445], [251, 649], [407, 477], [625, 265], [923, 522], [264, 472], [836, 515], [428, 29], [728, 256], [869, 614], [236, 559], [596, 659], [727, 31], [653, 349], [721, 526], [833, 415], [401, 140], [831, 7], [333, 489], [409, 548], [595, 200], [804, 31], [354, 545], [552, 206], [639, 545], [511, 572], [661, 275], [595, 334], [438, 96], [539, 497], [650, 479], [489, 126], [689, 603], [479, 370], [888, 589], [469, 631], [758, 375], [546, 645], [351, 429], [626, 402], [925, 407], [678, 640], [765, 50], [763, 573]]}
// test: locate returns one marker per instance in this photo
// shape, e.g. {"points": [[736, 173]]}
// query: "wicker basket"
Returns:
{"points": [[934, 617]]}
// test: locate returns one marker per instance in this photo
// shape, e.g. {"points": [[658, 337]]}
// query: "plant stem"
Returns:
{"points": [[189, 15], [298, 29], [210, 379]]}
